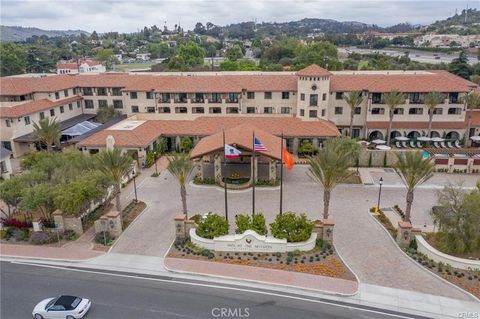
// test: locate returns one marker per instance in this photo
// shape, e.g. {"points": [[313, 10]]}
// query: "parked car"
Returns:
{"points": [[65, 307]]}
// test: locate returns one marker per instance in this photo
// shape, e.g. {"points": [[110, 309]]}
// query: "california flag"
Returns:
{"points": [[231, 152]]}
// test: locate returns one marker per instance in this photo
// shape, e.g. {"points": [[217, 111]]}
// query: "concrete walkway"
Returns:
{"points": [[45, 252]]}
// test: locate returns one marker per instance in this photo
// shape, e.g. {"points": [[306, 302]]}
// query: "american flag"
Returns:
{"points": [[258, 146]]}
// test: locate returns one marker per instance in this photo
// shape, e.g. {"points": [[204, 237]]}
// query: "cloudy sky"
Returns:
{"points": [[129, 16]]}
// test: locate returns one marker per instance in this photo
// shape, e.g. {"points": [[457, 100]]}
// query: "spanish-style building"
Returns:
{"points": [[307, 104], [80, 66]]}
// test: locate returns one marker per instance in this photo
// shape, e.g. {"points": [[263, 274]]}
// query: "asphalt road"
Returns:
{"points": [[119, 296]]}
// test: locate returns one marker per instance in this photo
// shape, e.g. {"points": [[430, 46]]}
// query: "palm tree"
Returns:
{"points": [[330, 167], [432, 99], [48, 132], [180, 166], [414, 170], [353, 99], [472, 102], [115, 165], [392, 99]]}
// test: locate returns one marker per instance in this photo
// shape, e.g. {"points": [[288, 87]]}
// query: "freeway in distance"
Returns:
{"points": [[120, 296]]}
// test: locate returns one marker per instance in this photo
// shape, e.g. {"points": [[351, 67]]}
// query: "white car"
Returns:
{"points": [[65, 307]]}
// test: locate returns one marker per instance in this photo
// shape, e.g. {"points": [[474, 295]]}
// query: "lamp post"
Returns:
{"points": [[135, 185], [155, 158], [379, 193]]}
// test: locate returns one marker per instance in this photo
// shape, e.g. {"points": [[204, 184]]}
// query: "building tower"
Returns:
{"points": [[313, 87]]}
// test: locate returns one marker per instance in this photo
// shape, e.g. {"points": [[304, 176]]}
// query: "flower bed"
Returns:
{"points": [[322, 260], [383, 219], [131, 212]]}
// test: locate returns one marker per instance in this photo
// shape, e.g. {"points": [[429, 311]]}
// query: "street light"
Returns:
{"points": [[379, 193], [155, 157], [135, 185]]}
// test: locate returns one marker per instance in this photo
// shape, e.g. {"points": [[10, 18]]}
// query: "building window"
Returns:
{"points": [[415, 110], [65, 92], [150, 109], [133, 95], [232, 98], [338, 95], [199, 98], [101, 91], [215, 110], [355, 133], [27, 120], [453, 98], [164, 109], [438, 111], [250, 95], [88, 104], [232, 110], [313, 100], [376, 98], [79, 104], [52, 112], [42, 115], [312, 113], [323, 112], [454, 110], [285, 110], [398, 111], [70, 107], [358, 110], [57, 95], [181, 110], [198, 110], [250, 109], [216, 98], [324, 96], [182, 98], [378, 110], [87, 91], [7, 123], [117, 104], [102, 103], [62, 109], [302, 97], [165, 98], [338, 110], [268, 95], [415, 98], [74, 91], [116, 91], [134, 109], [268, 110], [285, 95], [302, 112], [149, 95]]}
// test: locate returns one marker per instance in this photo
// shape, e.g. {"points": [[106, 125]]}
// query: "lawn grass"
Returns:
{"points": [[124, 67]]}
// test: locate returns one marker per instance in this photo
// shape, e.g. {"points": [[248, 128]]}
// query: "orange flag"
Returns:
{"points": [[288, 159]]}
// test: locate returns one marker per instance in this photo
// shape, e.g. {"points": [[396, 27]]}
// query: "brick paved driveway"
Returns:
{"points": [[358, 238]]}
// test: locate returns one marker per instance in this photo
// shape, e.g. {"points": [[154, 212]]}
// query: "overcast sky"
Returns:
{"points": [[129, 16]]}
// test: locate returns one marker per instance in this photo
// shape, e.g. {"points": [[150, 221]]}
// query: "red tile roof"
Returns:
{"points": [[416, 125], [241, 137], [34, 106], [146, 133], [75, 64], [313, 70], [424, 81]]}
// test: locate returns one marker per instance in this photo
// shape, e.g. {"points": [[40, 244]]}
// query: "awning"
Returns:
{"points": [[80, 128]]}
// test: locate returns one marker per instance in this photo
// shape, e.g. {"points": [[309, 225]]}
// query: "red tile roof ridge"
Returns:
{"points": [[30, 107]]}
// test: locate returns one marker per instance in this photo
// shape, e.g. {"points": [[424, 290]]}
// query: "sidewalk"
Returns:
{"points": [[47, 252]]}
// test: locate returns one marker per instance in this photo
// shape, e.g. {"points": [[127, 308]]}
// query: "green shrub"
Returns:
{"points": [[20, 234], [212, 226], [197, 218], [292, 227], [255, 222], [413, 244], [70, 235], [42, 237], [99, 238], [319, 243]]}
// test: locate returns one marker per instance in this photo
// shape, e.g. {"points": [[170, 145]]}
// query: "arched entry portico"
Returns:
{"points": [[375, 135]]}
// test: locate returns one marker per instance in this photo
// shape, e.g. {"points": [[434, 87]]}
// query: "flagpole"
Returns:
{"points": [[225, 178], [281, 175], [253, 174]]}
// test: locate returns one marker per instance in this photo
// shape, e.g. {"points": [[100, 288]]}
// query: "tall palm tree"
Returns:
{"points": [[353, 99], [472, 102], [431, 100], [414, 170], [330, 167], [180, 166], [48, 132], [392, 99], [115, 165]]}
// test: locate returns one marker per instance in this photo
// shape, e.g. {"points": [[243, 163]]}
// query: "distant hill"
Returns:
{"points": [[18, 34]]}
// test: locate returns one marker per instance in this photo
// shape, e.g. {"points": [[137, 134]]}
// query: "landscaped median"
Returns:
{"points": [[299, 253]]}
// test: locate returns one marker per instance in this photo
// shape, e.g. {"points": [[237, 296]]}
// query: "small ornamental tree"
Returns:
{"points": [[212, 226], [254, 222], [292, 227]]}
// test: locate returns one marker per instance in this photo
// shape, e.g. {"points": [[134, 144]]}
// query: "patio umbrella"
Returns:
{"points": [[402, 138], [363, 142], [424, 138], [379, 141], [475, 138], [437, 139], [383, 147]]}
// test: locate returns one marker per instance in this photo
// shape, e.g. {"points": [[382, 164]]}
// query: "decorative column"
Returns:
{"points": [[296, 143], [199, 173], [404, 233], [177, 142], [218, 168], [328, 225], [272, 171], [180, 226]]}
